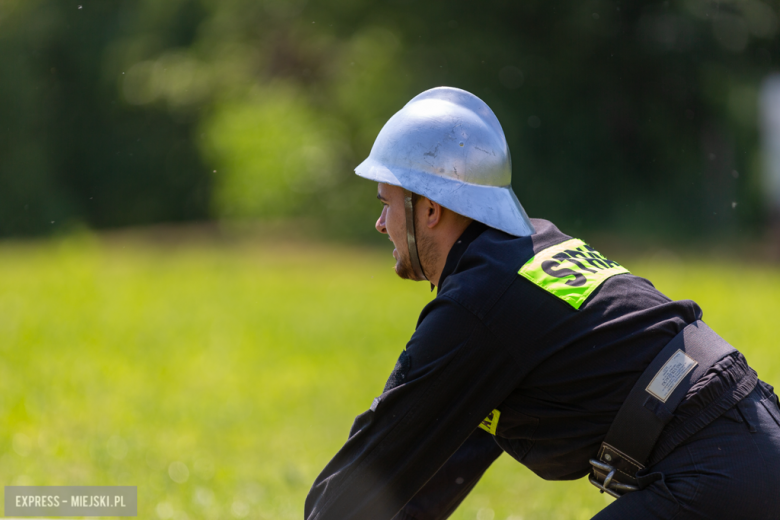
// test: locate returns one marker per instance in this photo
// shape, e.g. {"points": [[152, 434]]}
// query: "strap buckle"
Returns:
{"points": [[610, 485]]}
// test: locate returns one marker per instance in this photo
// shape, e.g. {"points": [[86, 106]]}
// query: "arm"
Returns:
{"points": [[457, 373], [439, 498]]}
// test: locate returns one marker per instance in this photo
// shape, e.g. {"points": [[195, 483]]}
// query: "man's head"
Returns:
{"points": [[436, 229], [447, 146]]}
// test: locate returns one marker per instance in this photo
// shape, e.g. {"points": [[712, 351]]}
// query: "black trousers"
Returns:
{"points": [[728, 470]]}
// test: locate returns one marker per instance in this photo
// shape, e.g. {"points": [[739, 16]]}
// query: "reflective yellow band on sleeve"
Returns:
{"points": [[571, 270], [490, 423]]}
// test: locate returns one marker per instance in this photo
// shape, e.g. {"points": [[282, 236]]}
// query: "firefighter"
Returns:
{"points": [[539, 346]]}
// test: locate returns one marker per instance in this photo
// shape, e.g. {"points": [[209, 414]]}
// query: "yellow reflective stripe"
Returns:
{"points": [[571, 270], [490, 423]]}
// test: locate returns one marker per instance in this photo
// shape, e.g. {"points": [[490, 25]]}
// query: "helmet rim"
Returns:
{"points": [[494, 206]]}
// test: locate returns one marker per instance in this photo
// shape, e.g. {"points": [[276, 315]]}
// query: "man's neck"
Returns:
{"points": [[441, 245]]}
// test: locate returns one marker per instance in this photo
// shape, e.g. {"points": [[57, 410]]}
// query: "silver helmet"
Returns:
{"points": [[447, 145]]}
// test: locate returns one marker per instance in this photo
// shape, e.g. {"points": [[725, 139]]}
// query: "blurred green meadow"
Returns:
{"points": [[219, 376]]}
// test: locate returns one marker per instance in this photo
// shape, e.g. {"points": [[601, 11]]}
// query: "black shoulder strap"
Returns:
{"points": [[651, 403]]}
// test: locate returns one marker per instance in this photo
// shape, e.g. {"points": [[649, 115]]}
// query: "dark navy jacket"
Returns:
{"points": [[492, 339]]}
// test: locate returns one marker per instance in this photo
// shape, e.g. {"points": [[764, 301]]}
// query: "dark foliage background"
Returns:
{"points": [[637, 117]]}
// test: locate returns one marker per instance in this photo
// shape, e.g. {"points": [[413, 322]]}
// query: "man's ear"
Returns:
{"points": [[432, 212]]}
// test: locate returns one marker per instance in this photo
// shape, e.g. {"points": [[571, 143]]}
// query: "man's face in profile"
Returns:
{"points": [[392, 222]]}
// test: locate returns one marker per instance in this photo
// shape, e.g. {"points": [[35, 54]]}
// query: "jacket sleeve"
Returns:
{"points": [[439, 498], [454, 374]]}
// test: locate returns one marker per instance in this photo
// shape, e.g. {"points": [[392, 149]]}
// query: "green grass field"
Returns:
{"points": [[221, 377]]}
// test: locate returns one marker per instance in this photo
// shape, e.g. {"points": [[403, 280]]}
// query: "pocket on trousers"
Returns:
{"points": [[770, 403]]}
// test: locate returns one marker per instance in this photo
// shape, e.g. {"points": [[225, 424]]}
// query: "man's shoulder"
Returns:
{"points": [[547, 235], [491, 263]]}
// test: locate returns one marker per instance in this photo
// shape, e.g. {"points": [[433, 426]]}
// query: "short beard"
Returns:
{"points": [[403, 268]]}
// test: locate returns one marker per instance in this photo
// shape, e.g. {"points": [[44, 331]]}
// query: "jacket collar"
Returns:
{"points": [[458, 248]]}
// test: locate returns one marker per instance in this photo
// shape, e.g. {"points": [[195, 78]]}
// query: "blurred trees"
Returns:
{"points": [[639, 118], [72, 150]]}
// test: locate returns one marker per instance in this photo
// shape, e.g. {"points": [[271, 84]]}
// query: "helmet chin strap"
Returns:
{"points": [[411, 240]]}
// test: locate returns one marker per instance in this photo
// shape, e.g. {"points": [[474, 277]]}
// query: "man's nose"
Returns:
{"points": [[380, 223]]}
